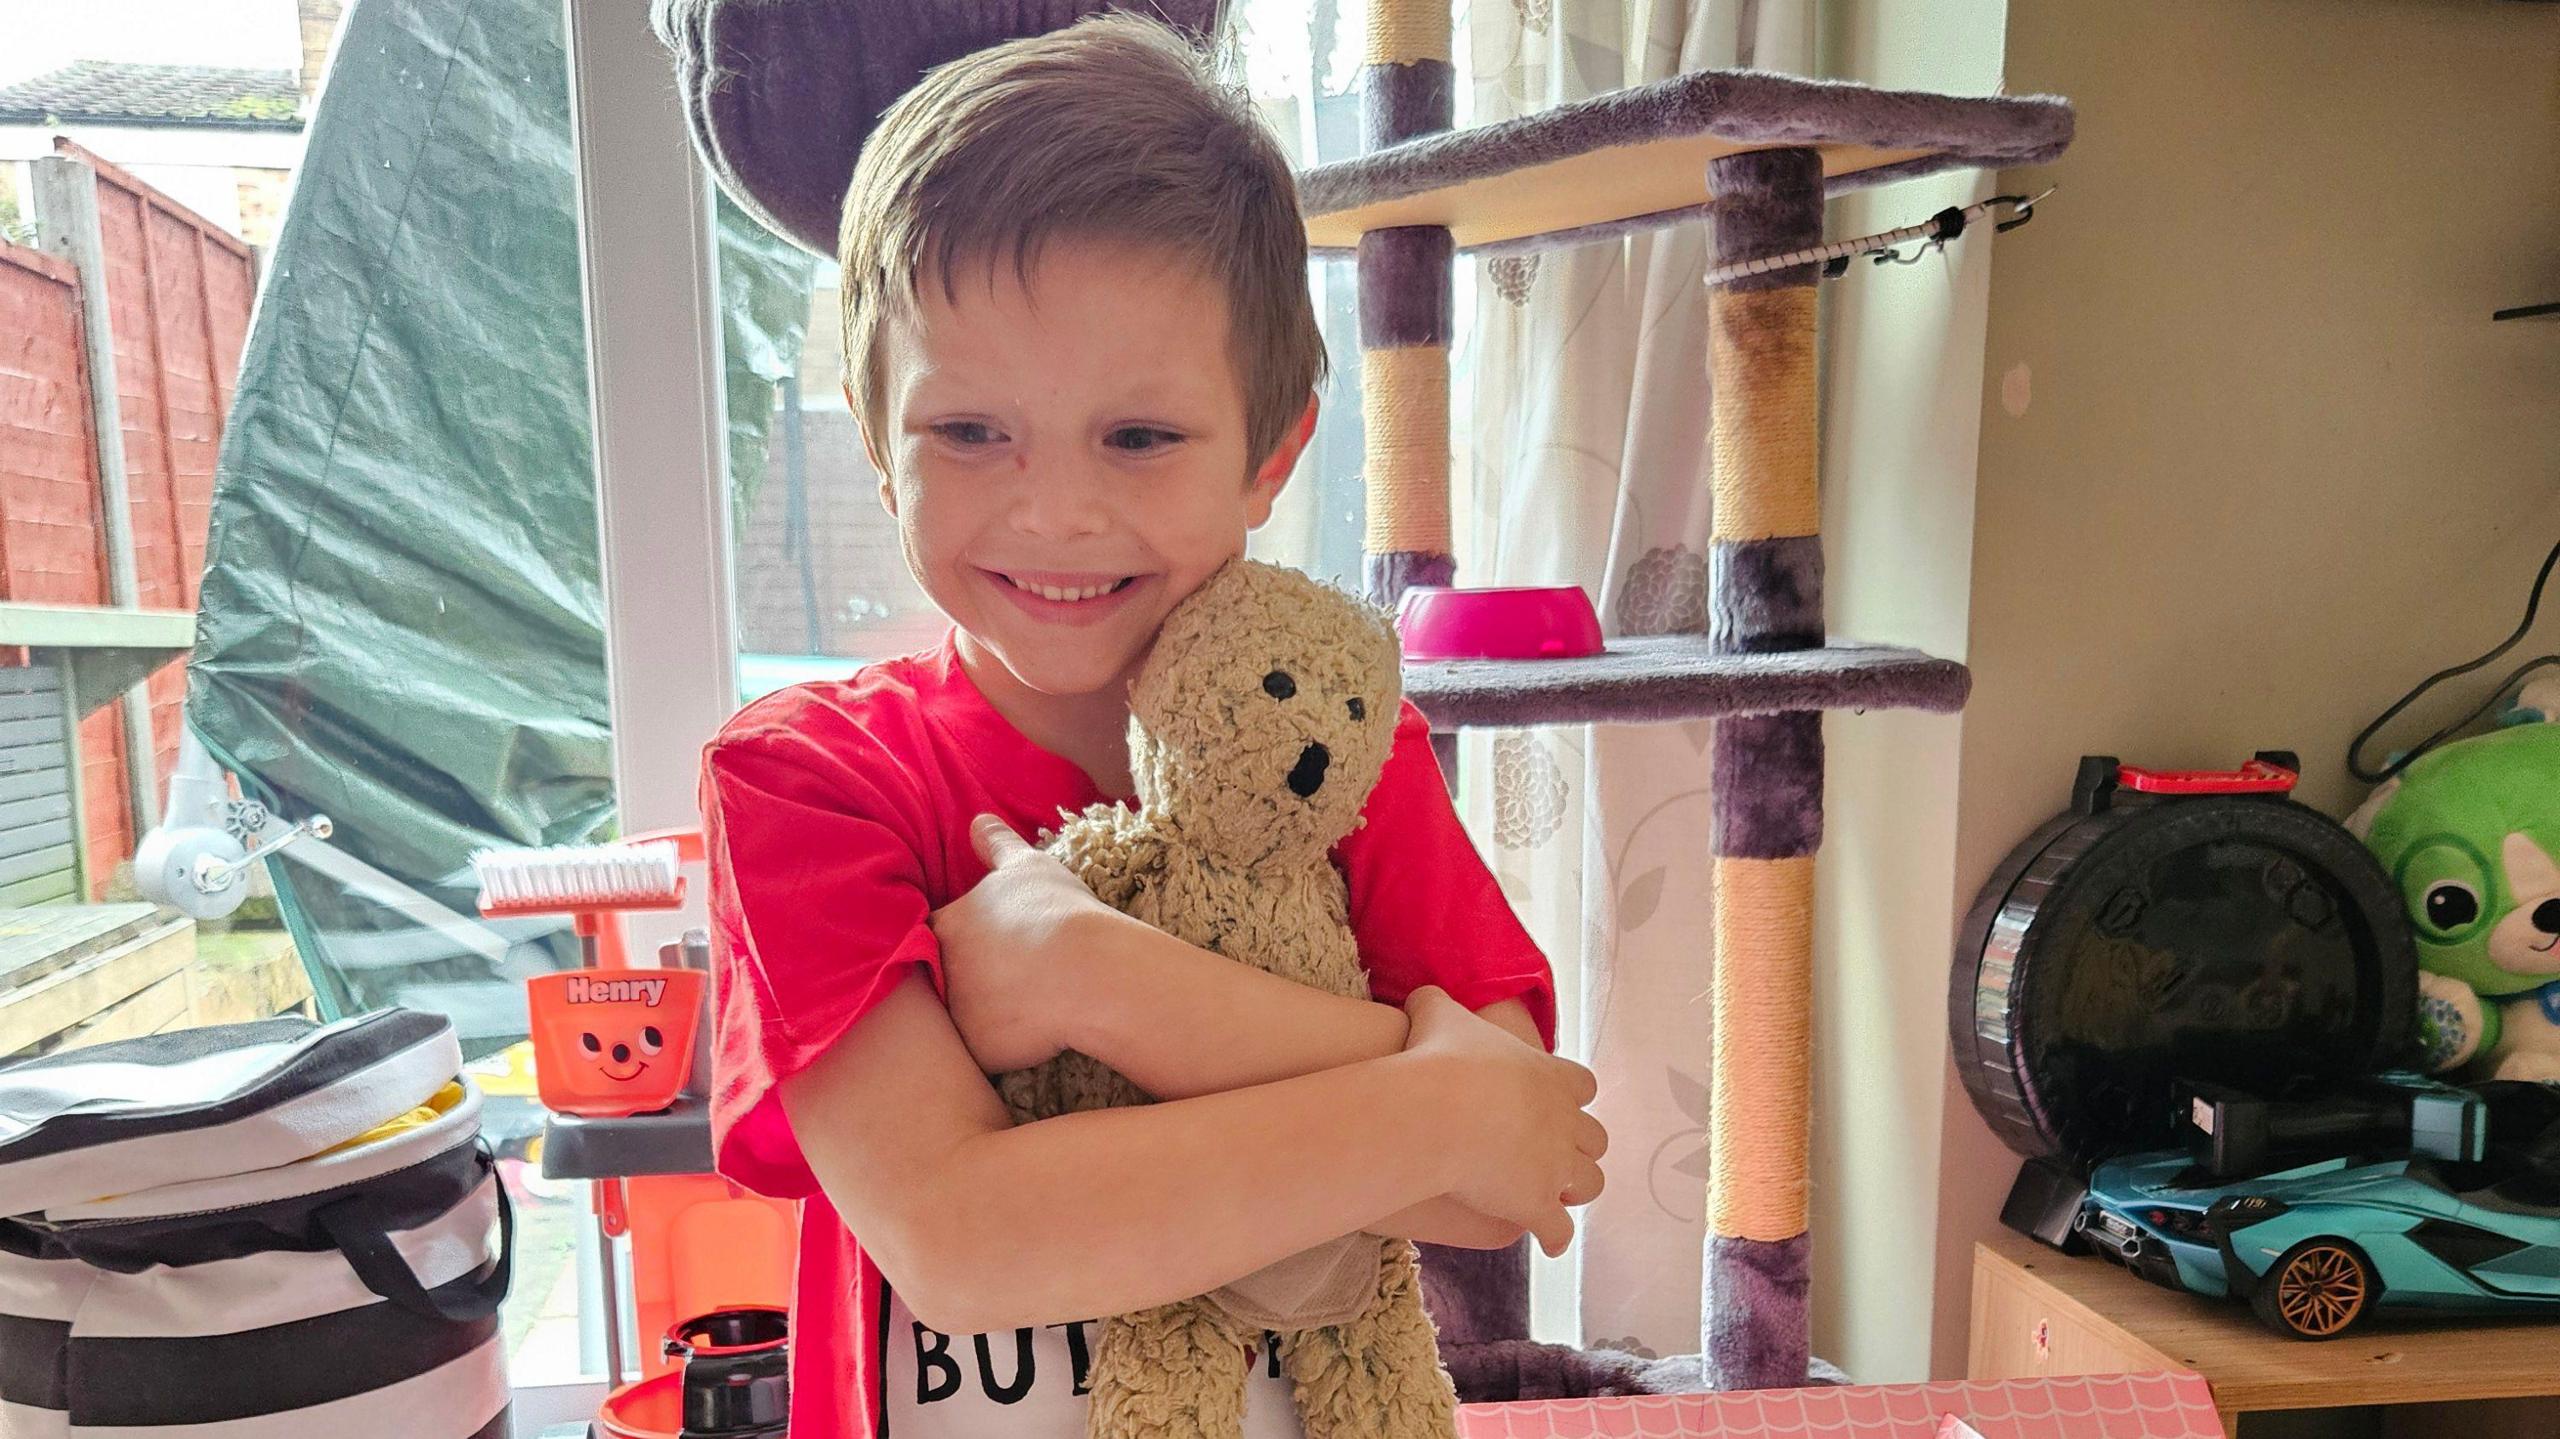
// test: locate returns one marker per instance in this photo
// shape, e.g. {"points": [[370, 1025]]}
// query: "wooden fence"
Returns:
{"points": [[177, 297]]}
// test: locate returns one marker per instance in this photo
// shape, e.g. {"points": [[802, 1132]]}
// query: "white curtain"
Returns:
{"points": [[1580, 416]]}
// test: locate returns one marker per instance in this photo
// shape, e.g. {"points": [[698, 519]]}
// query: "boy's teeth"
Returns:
{"points": [[1052, 592]]}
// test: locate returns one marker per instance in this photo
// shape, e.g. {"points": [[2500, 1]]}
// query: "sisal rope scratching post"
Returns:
{"points": [[1765, 589], [1405, 82]]}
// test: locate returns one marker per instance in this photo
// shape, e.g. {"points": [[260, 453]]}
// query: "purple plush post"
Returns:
{"points": [[1765, 596]]}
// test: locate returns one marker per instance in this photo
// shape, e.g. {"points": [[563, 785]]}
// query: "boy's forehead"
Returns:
{"points": [[1160, 328]]}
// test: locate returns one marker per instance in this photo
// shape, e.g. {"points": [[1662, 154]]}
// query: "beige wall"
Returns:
{"points": [[2251, 459]]}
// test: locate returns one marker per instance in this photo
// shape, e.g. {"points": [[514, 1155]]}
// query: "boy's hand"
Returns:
{"points": [[1528, 1151], [1007, 951]]}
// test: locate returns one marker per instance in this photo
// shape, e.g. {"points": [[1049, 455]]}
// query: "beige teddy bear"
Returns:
{"points": [[1258, 726]]}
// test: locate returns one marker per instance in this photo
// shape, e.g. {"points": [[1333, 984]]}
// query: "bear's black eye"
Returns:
{"points": [[1278, 685], [1358, 710], [2451, 905]]}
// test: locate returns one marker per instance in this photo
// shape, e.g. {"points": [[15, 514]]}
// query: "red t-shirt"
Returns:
{"points": [[836, 815]]}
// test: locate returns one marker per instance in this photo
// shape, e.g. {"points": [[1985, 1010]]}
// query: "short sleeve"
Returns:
{"points": [[818, 906], [1424, 907]]}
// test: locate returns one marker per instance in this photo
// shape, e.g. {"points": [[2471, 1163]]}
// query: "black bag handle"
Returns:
{"points": [[352, 1226]]}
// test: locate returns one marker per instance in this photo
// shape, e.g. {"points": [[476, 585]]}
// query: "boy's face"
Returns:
{"points": [[1067, 461]]}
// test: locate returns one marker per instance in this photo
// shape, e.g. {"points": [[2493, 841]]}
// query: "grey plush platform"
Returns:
{"points": [[1636, 159], [1662, 679]]}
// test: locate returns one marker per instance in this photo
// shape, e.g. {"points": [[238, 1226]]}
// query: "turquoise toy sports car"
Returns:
{"points": [[2439, 1199]]}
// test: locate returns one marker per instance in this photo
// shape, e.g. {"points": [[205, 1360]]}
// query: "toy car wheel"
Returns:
{"points": [[2318, 1290]]}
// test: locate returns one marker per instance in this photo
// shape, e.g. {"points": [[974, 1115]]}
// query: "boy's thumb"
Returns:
{"points": [[994, 840]]}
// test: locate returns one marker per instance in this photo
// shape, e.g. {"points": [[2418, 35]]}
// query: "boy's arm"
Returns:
{"points": [[1035, 964], [1179, 1022], [985, 1226]]}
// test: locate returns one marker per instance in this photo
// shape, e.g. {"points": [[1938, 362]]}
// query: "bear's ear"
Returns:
{"points": [[2360, 824]]}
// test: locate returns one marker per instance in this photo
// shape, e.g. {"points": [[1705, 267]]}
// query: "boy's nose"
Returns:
{"points": [[1057, 502]]}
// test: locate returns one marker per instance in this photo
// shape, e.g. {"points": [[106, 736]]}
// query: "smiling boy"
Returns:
{"points": [[1079, 343]]}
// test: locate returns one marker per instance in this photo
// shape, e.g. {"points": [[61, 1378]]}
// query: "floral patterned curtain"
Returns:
{"points": [[1585, 461]]}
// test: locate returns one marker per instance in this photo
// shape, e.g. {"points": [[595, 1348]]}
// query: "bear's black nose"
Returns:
{"points": [[1308, 777], [2546, 916], [622, 1054]]}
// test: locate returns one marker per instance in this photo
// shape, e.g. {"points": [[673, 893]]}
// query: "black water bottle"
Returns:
{"points": [[737, 1381]]}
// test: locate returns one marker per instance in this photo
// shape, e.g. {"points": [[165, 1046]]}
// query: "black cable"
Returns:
{"points": [[2532, 603]]}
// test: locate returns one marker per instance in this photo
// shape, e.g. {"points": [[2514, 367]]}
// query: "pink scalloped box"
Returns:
{"points": [[2164, 1405]]}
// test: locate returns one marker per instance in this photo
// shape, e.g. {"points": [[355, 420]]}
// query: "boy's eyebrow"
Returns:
{"points": [[932, 389]]}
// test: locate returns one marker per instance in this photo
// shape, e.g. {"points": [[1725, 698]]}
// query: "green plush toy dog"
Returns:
{"points": [[2471, 832]]}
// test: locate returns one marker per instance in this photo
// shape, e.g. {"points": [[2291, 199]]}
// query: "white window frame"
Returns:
{"points": [[650, 268]]}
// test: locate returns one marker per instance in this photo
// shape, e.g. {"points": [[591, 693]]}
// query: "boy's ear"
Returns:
{"points": [[871, 452], [1273, 476]]}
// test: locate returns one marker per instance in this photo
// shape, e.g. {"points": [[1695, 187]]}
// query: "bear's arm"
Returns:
{"points": [[1111, 852]]}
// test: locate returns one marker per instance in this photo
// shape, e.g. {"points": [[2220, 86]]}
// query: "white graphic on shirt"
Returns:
{"points": [[1027, 1384]]}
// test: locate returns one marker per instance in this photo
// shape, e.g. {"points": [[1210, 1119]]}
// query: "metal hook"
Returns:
{"points": [[2022, 209]]}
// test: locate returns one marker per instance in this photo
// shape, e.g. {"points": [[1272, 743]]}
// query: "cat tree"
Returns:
{"points": [[781, 94]]}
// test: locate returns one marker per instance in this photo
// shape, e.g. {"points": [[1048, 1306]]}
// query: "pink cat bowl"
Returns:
{"points": [[1540, 622]]}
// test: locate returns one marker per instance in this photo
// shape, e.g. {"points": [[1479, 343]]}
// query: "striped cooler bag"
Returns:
{"points": [[284, 1230]]}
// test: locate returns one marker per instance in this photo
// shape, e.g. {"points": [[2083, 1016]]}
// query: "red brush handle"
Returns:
{"points": [[2255, 777]]}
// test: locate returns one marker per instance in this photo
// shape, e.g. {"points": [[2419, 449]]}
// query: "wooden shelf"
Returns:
{"points": [[1666, 679], [1639, 156], [2037, 1312]]}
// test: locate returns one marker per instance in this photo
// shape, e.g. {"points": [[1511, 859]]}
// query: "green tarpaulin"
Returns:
{"points": [[401, 615]]}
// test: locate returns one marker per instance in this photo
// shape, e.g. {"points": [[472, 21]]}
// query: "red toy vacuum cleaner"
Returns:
{"points": [[735, 1383]]}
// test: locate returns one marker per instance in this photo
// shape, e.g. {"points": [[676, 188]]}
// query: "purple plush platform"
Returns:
{"points": [[780, 94], [1658, 679], [1635, 159]]}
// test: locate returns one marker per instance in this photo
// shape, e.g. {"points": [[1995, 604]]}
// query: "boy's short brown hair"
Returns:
{"points": [[1113, 128]]}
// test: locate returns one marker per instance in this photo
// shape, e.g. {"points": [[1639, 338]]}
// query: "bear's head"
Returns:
{"points": [[1264, 714]]}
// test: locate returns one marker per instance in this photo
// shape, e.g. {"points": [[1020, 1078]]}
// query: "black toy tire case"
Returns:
{"points": [[2329, 931]]}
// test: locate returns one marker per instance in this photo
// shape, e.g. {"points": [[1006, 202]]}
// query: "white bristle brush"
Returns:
{"points": [[567, 878]]}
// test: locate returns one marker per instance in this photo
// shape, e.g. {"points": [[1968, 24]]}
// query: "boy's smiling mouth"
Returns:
{"points": [[1068, 588], [1053, 594]]}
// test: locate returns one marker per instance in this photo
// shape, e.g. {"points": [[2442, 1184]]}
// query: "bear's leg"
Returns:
{"points": [[1379, 1376], [1176, 1371]]}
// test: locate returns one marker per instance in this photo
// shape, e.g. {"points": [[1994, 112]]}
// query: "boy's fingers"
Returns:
{"points": [[1591, 1137], [1555, 1232], [1586, 1186], [994, 840]]}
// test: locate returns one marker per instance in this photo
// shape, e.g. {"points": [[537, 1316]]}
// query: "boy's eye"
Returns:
{"points": [[966, 432], [1140, 439]]}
